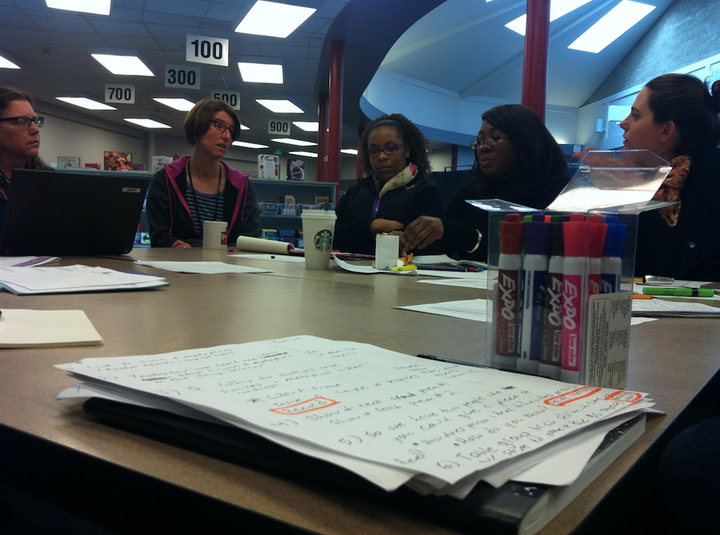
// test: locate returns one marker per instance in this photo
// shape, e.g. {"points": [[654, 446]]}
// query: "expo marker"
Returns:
{"points": [[535, 267], [596, 242], [611, 256], [507, 304], [574, 292], [551, 349]]}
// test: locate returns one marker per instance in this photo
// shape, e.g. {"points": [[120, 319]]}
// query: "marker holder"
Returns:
{"points": [[581, 317]]}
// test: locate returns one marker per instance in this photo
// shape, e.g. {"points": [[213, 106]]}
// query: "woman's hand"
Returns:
{"points": [[181, 244], [422, 232], [380, 226]]}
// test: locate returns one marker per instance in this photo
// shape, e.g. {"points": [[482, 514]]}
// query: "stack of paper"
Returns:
{"points": [[46, 328], [72, 279], [392, 418]]}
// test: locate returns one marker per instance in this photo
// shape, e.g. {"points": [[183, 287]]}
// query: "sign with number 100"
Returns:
{"points": [[210, 50]]}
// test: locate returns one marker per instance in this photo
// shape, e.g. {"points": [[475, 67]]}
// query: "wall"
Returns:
{"points": [[70, 133]]}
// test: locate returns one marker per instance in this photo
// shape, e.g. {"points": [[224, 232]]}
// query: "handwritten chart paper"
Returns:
{"points": [[440, 420]]}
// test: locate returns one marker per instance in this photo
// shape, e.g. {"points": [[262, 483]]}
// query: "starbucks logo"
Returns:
{"points": [[323, 240]]}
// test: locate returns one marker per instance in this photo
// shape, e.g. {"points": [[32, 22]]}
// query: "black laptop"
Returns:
{"points": [[72, 213]]}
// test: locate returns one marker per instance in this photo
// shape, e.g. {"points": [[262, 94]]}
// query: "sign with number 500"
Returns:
{"points": [[210, 50], [231, 97]]}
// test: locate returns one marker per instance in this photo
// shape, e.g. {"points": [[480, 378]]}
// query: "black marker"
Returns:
{"points": [[450, 361]]}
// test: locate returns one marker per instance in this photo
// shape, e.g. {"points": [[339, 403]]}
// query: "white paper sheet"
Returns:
{"points": [[207, 268], [469, 309], [275, 258]]}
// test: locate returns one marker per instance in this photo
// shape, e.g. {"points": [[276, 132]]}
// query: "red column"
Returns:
{"points": [[537, 37], [337, 53], [358, 160], [322, 163]]}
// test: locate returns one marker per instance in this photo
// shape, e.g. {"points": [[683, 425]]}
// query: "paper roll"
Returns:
{"points": [[258, 245]]}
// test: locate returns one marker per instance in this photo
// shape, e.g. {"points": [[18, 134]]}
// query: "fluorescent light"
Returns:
{"points": [[307, 126], [98, 7], [263, 73], [303, 153], [616, 22], [279, 106], [123, 65], [243, 127], [179, 103], [558, 8], [7, 64], [86, 103], [273, 19], [354, 152], [249, 145], [147, 123], [297, 142]]}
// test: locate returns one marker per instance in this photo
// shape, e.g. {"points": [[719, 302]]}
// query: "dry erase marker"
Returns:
{"points": [[404, 268], [574, 290], [551, 349], [611, 256], [596, 241], [507, 303], [680, 292], [535, 267]]}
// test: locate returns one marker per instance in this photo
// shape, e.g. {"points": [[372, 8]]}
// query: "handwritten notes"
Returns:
{"points": [[420, 416]]}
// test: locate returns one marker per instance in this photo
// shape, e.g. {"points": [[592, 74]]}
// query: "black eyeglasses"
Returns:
{"points": [[221, 127], [392, 149], [495, 138], [25, 122]]}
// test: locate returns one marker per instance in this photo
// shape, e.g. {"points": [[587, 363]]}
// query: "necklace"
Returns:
{"points": [[192, 188]]}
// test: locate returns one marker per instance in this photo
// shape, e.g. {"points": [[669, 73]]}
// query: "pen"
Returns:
{"points": [[443, 268], [404, 268], [684, 292], [641, 296], [449, 361]]}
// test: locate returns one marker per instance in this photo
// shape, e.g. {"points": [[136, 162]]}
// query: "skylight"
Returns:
{"points": [[84, 102], [147, 123], [558, 8], [97, 7], [261, 73], [616, 22], [279, 106], [273, 19], [123, 65]]}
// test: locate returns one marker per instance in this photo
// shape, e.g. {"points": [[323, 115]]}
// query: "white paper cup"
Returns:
{"points": [[386, 251], [214, 236], [318, 230]]}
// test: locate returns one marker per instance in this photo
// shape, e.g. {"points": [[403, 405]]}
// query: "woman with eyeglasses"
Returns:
{"points": [[516, 160], [396, 190], [202, 187], [19, 139]]}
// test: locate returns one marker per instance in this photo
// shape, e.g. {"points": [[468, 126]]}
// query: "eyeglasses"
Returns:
{"points": [[392, 149], [25, 122], [221, 127], [495, 138]]}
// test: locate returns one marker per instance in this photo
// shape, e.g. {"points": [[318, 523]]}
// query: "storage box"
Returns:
{"points": [[560, 281]]}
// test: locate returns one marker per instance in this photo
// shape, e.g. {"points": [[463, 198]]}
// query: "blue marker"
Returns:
{"points": [[535, 267], [612, 255]]}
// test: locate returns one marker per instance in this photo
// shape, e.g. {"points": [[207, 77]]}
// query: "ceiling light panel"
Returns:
{"points": [[7, 64], [84, 102], [147, 123], [279, 106], [96, 7], [303, 153], [123, 65], [261, 73], [179, 104], [616, 22], [248, 145], [291, 141], [273, 19], [558, 8], [307, 126]]}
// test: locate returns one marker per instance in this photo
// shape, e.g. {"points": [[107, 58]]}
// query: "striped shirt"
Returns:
{"points": [[209, 205]]}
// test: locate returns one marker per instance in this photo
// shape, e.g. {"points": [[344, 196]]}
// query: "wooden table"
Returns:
{"points": [[55, 448]]}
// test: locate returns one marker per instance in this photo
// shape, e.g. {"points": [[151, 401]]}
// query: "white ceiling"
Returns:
{"points": [[460, 46]]}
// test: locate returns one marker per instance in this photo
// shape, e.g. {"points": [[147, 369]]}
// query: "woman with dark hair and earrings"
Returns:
{"points": [[396, 190], [202, 187], [19, 139], [516, 160], [676, 117]]}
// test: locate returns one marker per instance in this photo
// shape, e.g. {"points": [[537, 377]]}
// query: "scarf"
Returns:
{"points": [[399, 180], [670, 189]]}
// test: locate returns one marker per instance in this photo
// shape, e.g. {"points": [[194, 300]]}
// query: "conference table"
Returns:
{"points": [[105, 472]]}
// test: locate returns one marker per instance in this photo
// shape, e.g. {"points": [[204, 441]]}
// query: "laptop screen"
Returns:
{"points": [[64, 213]]}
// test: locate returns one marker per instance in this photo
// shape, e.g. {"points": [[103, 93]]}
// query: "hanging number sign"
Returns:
{"points": [[203, 49]]}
